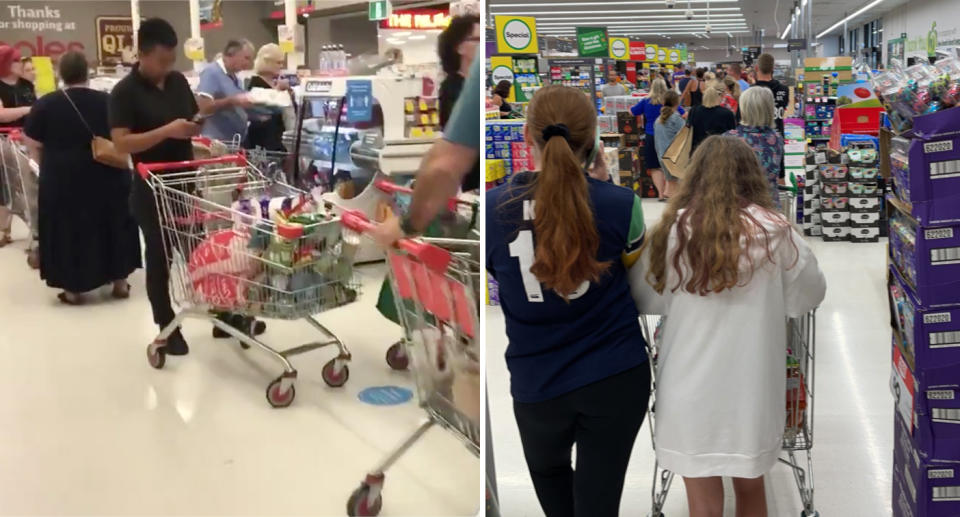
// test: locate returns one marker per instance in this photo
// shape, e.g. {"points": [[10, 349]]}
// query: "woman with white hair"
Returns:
{"points": [[710, 118], [758, 129], [647, 112], [266, 130]]}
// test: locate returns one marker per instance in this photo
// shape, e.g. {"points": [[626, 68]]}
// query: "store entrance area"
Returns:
{"points": [[90, 428], [852, 464]]}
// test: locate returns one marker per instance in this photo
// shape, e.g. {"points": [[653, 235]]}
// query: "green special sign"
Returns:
{"points": [[592, 41]]}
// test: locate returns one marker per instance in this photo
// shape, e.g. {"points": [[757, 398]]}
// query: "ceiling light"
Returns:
{"points": [[684, 23], [418, 36], [858, 12], [401, 34], [785, 31], [665, 18], [395, 41]]}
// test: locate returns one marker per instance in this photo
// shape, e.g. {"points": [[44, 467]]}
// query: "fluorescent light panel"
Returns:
{"points": [[787, 30], [858, 12], [628, 32], [640, 22], [679, 17]]}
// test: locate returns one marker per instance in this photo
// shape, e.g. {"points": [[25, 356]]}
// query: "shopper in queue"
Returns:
{"points": [[615, 86], [710, 118], [559, 244], [735, 71], [266, 129], [781, 92], [500, 94], [668, 124], [220, 95], [758, 129], [647, 111], [728, 269], [16, 97], [731, 94], [457, 47], [692, 94], [88, 237]]}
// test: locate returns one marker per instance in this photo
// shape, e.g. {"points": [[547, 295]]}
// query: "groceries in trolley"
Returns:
{"points": [[247, 244]]}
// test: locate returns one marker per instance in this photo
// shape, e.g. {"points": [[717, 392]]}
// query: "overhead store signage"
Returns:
{"points": [[417, 19], [796, 44], [661, 55], [638, 51], [501, 69], [115, 40], [516, 34], [691, 58], [651, 51], [673, 56], [592, 41], [211, 14], [620, 48], [379, 10]]}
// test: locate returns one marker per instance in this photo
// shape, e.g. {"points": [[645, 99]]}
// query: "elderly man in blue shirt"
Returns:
{"points": [[221, 97]]}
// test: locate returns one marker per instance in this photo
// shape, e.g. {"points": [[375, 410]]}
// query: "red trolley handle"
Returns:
{"points": [[434, 257], [392, 188], [144, 169]]}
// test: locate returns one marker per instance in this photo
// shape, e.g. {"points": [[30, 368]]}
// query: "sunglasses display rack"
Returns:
{"points": [[842, 194], [924, 297]]}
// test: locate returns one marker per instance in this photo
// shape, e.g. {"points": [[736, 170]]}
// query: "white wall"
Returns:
{"points": [[915, 19], [422, 49], [829, 46], [355, 32]]}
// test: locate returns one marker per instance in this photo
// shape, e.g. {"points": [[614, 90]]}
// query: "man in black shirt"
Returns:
{"points": [[151, 113], [781, 93]]}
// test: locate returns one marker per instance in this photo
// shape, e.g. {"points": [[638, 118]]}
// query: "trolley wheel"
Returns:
{"points": [[333, 379], [279, 399], [357, 504], [155, 356], [397, 356]]}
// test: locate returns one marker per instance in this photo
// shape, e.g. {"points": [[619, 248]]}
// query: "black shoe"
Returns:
{"points": [[176, 345], [241, 323]]}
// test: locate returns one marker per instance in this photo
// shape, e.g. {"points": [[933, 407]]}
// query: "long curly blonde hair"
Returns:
{"points": [[714, 229]]}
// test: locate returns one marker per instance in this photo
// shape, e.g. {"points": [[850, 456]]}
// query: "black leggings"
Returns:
{"points": [[603, 420], [143, 204]]}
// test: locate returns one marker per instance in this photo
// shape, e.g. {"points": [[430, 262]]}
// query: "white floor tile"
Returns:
{"points": [[853, 429], [88, 427]]}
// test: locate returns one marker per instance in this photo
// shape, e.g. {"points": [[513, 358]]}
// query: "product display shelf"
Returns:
{"points": [[924, 297]]}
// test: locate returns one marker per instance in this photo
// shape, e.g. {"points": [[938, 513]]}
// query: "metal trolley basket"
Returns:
{"points": [[435, 285], [230, 252], [458, 221], [20, 181]]}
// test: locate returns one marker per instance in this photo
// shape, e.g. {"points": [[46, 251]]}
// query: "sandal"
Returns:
{"points": [[6, 239], [121, 294], [66, 299]]}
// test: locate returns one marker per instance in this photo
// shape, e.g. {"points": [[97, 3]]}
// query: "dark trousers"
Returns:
{"points": [[143, 204], [603, 420]]}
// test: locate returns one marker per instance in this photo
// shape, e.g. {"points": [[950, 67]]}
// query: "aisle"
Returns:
{"points": [[90, 428], [853, 437]]}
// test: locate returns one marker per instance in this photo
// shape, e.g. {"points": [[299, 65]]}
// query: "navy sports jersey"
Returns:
{"points": [[557, 346]]}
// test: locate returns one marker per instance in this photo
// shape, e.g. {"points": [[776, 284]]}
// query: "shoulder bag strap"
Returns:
{"points": [[78, 113]]}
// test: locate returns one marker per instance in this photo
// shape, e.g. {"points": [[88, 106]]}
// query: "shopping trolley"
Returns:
{"points": [[458, 221], [241, 243], [20, 181], [435, 287], [798, 425]]}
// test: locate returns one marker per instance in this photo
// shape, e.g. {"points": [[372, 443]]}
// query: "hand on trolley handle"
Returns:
{"points": [[200, 213], [435, 296]]}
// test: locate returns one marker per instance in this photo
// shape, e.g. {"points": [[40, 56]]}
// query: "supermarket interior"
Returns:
{"points": [[321, 415], [865, 95]]}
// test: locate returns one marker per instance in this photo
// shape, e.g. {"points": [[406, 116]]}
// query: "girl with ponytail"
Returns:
{"points": [[559, 244]]}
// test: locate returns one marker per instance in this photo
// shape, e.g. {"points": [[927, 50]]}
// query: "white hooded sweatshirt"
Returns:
{"points": [[721, 379]]}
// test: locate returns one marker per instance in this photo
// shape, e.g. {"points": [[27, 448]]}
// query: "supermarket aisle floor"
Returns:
{"points": [[90, 428], [853, 432]]}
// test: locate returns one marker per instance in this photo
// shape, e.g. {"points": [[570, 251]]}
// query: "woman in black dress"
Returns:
{"points": [[87, 236], [266, 129]]}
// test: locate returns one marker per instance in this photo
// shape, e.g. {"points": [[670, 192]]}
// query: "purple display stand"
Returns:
{"points": [[922, 488], [932, 183]]}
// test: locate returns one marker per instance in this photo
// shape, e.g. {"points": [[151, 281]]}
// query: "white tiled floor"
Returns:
{"points": [[853, 440], [88, 427]]}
